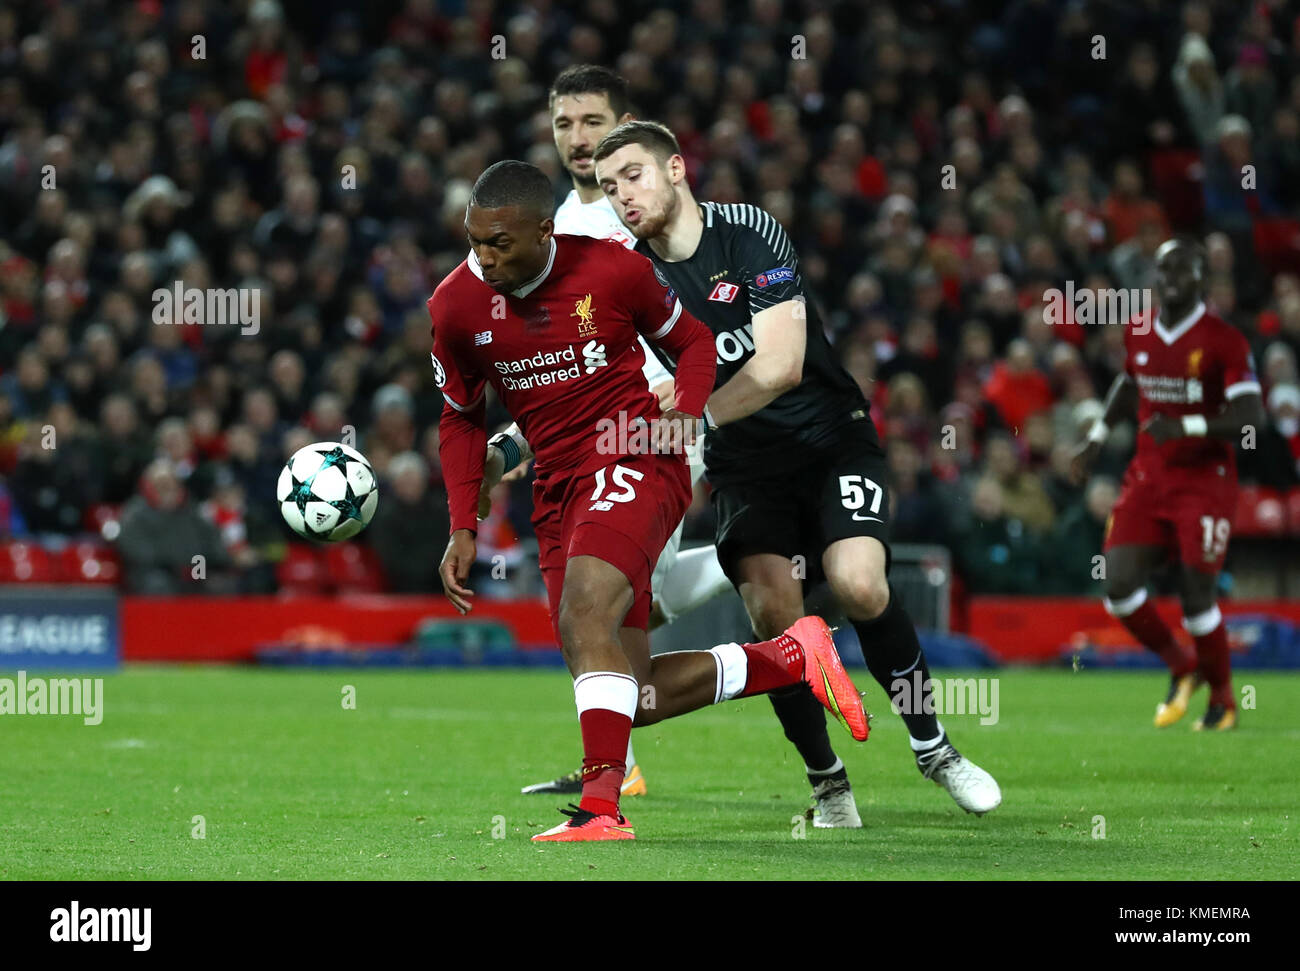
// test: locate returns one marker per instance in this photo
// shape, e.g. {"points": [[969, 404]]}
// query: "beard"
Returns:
{"points": [[652, 223], [587, 181]]}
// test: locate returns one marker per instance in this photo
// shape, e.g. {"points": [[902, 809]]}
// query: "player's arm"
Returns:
{"points": [[1238, 413], [1243, 403], [662, 320], [780, 340], [462, 447], [507, 458], [764, 258], [1121, 405]]}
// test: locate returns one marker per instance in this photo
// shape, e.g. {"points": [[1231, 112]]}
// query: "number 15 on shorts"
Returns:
{"points": [[624, 491], [853, 494]]}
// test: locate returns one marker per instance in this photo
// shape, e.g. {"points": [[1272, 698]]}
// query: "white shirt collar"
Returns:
{"points": [[1181, 327], [528, 287]]}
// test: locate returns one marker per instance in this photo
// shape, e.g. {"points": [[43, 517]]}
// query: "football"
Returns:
{"points": [[327, 492]]}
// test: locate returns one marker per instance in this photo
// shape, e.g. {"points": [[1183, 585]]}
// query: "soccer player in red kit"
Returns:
{"points": [[551, 323], [1190, 378]]}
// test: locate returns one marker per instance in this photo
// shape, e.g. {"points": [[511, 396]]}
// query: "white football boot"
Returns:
{"points": [[970, 786], [833, 805]]}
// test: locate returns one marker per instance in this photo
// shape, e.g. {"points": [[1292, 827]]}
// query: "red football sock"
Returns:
{"points": [[1154, 634], [1212, 652], [772, 664], [606, 703], [604, 746]]}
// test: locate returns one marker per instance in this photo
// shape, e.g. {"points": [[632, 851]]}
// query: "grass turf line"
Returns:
{"points": [[414, 782]]}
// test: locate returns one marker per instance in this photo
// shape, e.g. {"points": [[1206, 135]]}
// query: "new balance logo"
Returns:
{"points": [[593, 356], [483, 337]]}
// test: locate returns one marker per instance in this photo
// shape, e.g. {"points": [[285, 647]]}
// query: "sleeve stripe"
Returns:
{"points": [[668, 324], [1240, 388], [459, 407]]}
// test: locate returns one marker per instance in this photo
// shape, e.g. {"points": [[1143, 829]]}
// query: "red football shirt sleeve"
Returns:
{"points": [[660, 317], [1239, 368], [462, 428]]}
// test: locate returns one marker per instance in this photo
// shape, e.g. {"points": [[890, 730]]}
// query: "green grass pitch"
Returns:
{"points": [[421, 781]]}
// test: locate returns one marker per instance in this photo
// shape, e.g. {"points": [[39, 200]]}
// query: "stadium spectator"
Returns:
{"points": [[228, 172], [165, 545], [996, 552], [54, 479], [410, 528], [1074, 551], [1274, 461], [1021, 489]]}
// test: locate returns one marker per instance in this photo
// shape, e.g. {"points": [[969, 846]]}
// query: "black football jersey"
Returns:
{"points": [[744, 264]]}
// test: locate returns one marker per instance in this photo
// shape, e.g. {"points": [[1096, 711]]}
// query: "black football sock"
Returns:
{"points": [[893, 653], [804, 720]]}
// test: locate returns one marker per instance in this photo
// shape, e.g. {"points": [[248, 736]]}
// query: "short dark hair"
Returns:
{"points": [[592, 79], [656, 138], [514, 183]]}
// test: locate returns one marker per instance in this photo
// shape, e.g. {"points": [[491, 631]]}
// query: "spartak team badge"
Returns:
{"points": [[582, 310]]}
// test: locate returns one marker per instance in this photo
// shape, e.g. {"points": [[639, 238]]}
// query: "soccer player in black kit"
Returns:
{"points": [[791, 451]]}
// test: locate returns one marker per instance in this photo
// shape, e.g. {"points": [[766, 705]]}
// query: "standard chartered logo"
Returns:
{"points": [[593, 356]]}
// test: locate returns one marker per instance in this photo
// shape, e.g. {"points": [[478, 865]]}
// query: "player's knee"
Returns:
{"points": [[583, 617], [1120, 584], [771, 617], [863, 596]]}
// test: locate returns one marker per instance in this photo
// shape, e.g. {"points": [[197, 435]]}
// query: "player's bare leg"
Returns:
{"points": [[1127, 570], [855, 570], [595, 599], [1202, 619], [773, 598]]}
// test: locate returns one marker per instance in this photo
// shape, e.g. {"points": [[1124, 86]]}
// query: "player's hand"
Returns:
{"points": [[673, 432], [1082, 459], [493, 468], [454, 570], [1163, 428]]}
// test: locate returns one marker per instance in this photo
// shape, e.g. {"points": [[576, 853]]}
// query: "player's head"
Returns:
{"points": [[509, 225], [640, 169], [1180, 273], [586, 102]]}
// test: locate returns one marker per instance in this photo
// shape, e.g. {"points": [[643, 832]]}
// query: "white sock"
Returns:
{"points": [[631, 759], [1204, 623], [923, 746], [605, 689], [733, 671], [839, 764], [695, 578]]}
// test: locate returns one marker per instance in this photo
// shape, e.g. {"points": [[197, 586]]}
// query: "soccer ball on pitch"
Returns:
{"points": [[327, 492]]}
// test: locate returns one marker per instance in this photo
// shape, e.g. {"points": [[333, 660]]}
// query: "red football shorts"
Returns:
{"points": [[623, 514], [1188, 512]]}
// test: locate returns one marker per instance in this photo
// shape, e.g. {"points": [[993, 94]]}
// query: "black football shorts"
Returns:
{"points": [[814, 499]]}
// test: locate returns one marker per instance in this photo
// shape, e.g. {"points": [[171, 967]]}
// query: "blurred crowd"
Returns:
{"points": [[937, 163]]}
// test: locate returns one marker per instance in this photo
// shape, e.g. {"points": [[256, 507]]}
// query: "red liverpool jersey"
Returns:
{"points": [[1190, 367], [562, 354]]}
